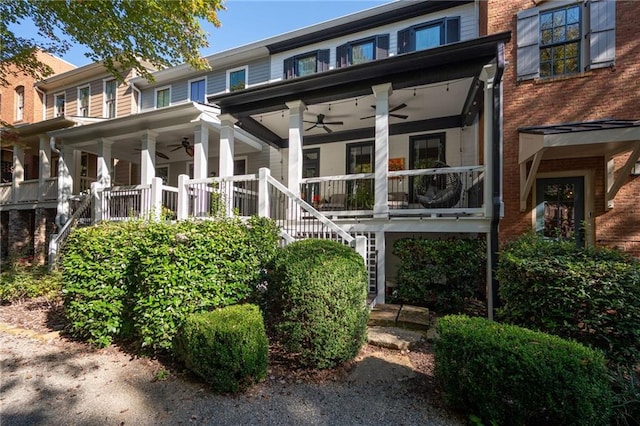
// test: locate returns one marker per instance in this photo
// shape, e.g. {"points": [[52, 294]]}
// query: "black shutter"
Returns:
{"points": [[342, 56], [322, 60], [404, 41], [289, 68], [382, 46], [452, 29]]}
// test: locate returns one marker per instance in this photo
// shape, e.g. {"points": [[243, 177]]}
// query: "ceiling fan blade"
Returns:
{"points": [[189, 150], [328, 130], [394, 109], [334, 123], [176, 148], [312, 127], [311, 122], [364, 118], [402, 117], [162, 155]]}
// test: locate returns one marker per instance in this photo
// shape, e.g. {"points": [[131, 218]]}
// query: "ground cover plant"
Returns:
{"points": [[21, 280]]}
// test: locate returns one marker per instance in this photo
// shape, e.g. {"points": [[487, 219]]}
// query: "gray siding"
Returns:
{"points": [[147, 99], [216, 82], [259, 71], [179, 91]]}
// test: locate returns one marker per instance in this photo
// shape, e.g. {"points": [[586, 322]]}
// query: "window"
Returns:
{"points": [[163, 97], [310, 169], [365, 50], [163, 173], [197, 90], [19, 103], [567, 40], [110, 93], [560, 208], [306, 64], [240, 166], [360, 157], [429, 34], [83, 101], [236, 79], [58, 105], [426, 151]]}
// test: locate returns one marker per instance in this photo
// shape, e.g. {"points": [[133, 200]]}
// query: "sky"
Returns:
{"points": [[247, 21]]}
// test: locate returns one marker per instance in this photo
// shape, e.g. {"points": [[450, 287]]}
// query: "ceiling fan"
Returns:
{"points": [[158, 154], [186, 144], [391, 111], [323, 124]]}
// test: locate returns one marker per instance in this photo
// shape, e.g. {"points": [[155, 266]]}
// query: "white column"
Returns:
{"points": [[44, 165], [382, 93], [263, 192], [296, 110], [225, 166], [65, 184], [148, 157], [201, 152], [104, 162], [381, 274], [183, 197], [18, 171]]}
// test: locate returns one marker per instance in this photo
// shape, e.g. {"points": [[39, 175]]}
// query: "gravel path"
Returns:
{"points": [[47, 380]]}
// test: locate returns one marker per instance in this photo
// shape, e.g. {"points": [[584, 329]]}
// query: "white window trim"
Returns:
{"points": [[164, 166], [19, 110], [155, 96], [246, 77], [55, 103], [105, 110], [86, 86], [193, 80]]}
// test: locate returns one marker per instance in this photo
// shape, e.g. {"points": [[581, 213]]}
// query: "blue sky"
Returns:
{"points": [[246, 21]]}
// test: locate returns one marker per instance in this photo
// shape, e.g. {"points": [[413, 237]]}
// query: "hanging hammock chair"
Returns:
{"points": [[439, 191]]}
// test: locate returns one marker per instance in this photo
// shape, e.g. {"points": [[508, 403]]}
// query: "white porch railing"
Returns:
{"points": [[57, 242], [50, 190], [28, 190], [5, 193], [123, 202]]}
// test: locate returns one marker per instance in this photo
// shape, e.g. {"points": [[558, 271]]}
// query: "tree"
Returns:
{"points": [[123, 34]]}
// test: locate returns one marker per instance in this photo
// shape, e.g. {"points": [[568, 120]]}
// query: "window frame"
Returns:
{"points": [[79, 101], [244, 68], [106, 102], [155, 96], [564, 43], [450, 32], [353, 145], [204, 93], [344, 52], [290, 64], [19, 107], [163, 166], [56, 109]]}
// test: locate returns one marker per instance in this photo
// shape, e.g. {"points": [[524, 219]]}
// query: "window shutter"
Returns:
{"points": [[452, 29], [382, 46], [322, 60], [528, 60], [342, 56], [404, 37], [602, 35], [289, 69]]}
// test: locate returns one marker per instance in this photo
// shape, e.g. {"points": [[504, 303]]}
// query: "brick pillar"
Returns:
{"points": [[19, 238], [40, 237]]}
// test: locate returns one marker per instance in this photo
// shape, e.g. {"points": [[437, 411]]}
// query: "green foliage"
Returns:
{"points": [[511, 375], [317, 302], [228, 347], [22, 281], [591, 295], [440, 274], [625, 383], [140, 280]]}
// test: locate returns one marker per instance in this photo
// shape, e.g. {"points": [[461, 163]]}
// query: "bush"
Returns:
{"points": [[511, 375], [440, 274], [317, 302], [140, 280], [21, 281], [228, 347], [591, 295]]}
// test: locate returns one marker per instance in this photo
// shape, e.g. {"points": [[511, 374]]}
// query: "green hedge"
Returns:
{"points": [[140, 280], [316, 296], [589, 295], [440, 274], [511, 375], [228, 347]]}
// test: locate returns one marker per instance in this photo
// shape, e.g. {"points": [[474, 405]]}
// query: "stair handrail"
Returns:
{"points": [[58, 240]]}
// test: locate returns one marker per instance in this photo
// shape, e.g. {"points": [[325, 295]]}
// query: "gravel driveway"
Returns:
{"points": [[47, 380]]}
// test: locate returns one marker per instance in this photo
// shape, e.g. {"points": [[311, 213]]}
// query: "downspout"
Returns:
{"points": [[44, 102], [496, 173]]}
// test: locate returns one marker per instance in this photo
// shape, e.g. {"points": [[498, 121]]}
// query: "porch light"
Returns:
{"points": [[636, 170]]}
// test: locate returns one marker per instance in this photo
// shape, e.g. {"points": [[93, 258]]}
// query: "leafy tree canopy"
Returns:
{"points": [[123, 34]]}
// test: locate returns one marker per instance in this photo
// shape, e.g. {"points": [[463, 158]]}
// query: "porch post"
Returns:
{"points": [[201, 152], [148, 157], [104, 162], [381, 270], [381, 206], [65, 184], [44, 166], [487, 76], [263, 192], [183, 197], [225, 166], [296, 110], [18, 171]]}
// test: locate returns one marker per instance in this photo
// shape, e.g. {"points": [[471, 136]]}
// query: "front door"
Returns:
{"points": [[560, 208]]}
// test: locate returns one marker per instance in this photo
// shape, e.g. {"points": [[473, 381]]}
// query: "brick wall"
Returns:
{"points": [[604, 93]]}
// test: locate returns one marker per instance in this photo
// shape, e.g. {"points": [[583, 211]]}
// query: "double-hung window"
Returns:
{"points": [[110, 93], [163, 97], [555, 41], [236, 79], [83, 101], [197, 90], [19, 103], [360, 51], [429, 34], [59, 105], [306, 64]]}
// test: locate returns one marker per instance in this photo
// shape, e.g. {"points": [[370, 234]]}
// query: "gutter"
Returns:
{"points": [[496, 174]]}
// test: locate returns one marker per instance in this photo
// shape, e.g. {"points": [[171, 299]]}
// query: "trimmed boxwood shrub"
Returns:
{"points": [[227, 347], [510, 375], [317, 302], [140, 280], [440, 274], [591, 295]]}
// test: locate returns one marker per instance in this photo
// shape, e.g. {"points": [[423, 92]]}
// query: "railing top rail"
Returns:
{"points": [[355, 176], [436, 171], [5, 184], [169, 188], [124, 188], [30, 182]]}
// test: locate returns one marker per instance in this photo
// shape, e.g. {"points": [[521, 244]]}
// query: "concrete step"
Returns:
{"points": [[399, 326]]}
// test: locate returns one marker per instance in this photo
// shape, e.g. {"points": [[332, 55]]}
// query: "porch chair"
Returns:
{"points": [[441, 191]]}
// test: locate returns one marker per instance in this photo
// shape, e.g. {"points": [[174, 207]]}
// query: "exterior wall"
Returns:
{"points": [[596, 94]]}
